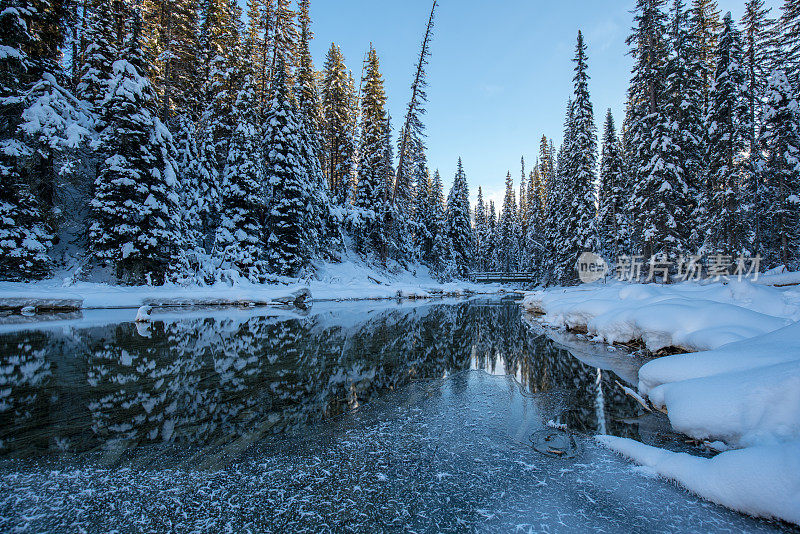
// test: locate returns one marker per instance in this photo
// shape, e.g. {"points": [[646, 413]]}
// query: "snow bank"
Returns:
{"points": [[761, 481], [691, 316], [745, 393], [742, 408], [777, 347], [743, 389], [341, 281]]}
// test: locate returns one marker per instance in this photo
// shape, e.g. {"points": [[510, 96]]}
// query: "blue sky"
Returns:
{"points": [[500, 73]]}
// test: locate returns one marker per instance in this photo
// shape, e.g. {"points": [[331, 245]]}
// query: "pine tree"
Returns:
{"points": [[779, 140], [727, 226], [459, 225], [288, 246], [135, 207], [611, 219], [337, 99]]}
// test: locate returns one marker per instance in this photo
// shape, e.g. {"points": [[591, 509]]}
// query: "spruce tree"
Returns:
{"points": [[99, 54], [239, 242], [660, 194], [136, 224], [423, 224], [534, 246], [442, 259], [683, 108], [705, 27], [337, 99], [508, 244], [481, 233], [789, 41], [577, 226], [371, 179], [289, 248], [611, 220], [491, 248], [24, 238], [459, 225], [779, 141], [727, 226], [171, 31]]}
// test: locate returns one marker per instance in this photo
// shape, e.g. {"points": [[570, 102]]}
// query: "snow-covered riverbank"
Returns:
{"points": [[742, 390], [343, 281]]}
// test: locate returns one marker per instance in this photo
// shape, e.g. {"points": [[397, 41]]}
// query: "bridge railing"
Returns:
{"points": [[488, 277]]}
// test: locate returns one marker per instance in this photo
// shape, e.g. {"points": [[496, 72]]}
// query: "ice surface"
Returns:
{"points": [[442, 456], [369, 417]]}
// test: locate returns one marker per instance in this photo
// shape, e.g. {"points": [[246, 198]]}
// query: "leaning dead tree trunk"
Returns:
{"points": [[417, 96]]}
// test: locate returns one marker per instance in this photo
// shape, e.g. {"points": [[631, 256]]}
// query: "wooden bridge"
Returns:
{"points": [[502, 278]]}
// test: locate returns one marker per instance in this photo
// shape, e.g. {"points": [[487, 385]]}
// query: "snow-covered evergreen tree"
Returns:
{"points": [[508, 242], [459, 225], [369, 195], [24, 238], [136, 224], [789, 41], [611, 217], [705, 27], [423, 224], [576, 228], [534, 245], [289, 247], [239, 242], [337, 101], [99, 54], [481, 234], [684, 102], [727, 226], [779, 194]]}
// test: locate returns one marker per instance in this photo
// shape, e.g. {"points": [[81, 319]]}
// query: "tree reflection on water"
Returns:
{"points": [[212, 381]]}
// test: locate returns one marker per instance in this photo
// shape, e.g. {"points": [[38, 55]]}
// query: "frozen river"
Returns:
{"points": [[363, 417]]}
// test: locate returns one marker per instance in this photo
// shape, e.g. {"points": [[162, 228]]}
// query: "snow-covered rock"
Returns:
{"points": [[143, 314]]}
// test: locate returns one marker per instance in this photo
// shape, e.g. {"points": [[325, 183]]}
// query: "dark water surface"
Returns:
{"points": [[352, 417]]}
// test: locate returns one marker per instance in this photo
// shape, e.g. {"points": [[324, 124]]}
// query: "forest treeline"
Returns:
{"points": [[706, 163], [153, 141]]}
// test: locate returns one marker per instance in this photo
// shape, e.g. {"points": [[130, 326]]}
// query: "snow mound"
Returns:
{"points": [[742, 391], [761, 481], [690, 316]]}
